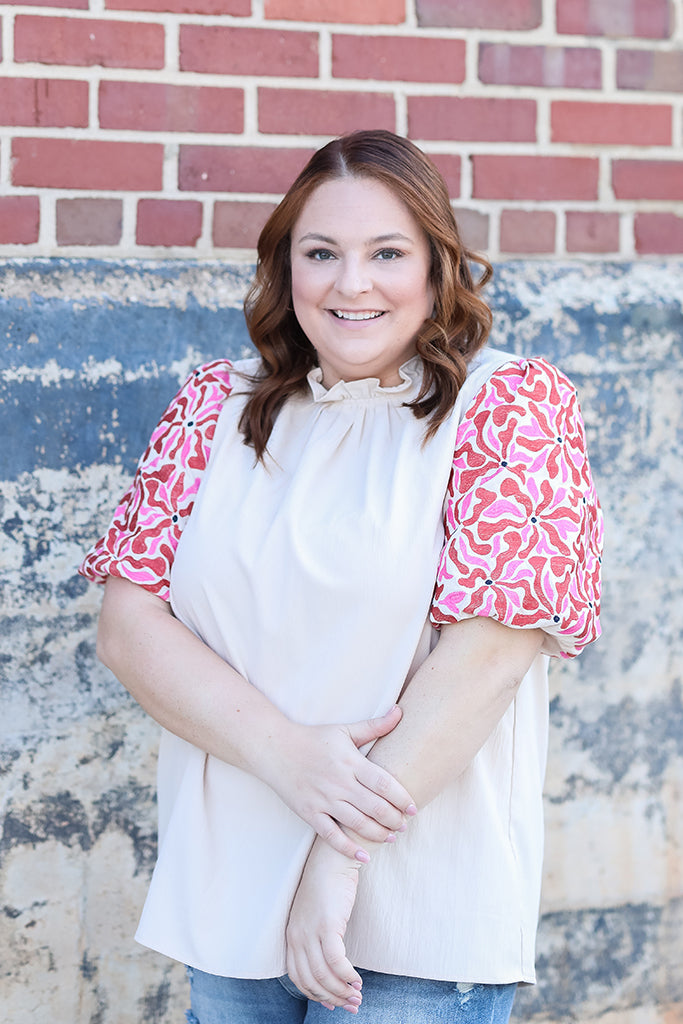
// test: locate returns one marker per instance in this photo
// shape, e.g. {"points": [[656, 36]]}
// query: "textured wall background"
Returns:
{"points": [[144, 127], [92, 352]]}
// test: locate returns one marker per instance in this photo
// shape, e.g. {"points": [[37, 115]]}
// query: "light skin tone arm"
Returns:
{"points": [[317, 771], [450, 708]]}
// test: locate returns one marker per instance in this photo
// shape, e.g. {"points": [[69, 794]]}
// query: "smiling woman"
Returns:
{"points": [[378, 522]]}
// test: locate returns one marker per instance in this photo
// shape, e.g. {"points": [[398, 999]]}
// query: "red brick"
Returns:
{"points": [[361, 12], [83, 42], [168, 222], [646, 18], [248, 51], [239, 168], [527, 231], [647, 179], [68, 163], [237, 225], [145, 106], [505, 14], [19, 220], [658, 233], [449, 166], [40, 102], [89, 221], [81, 5], [209, 7], [552, 66], [474, 228], [535, 177], [650, 70], [471, 118], [611, 124], [398, 58], [589, 231], [316, 112]]}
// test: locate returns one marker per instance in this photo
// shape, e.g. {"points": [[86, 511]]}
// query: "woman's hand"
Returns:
{"points": [[320, 773], [316, 957]]}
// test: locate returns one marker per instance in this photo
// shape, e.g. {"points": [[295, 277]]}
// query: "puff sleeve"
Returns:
{"points": [[140, 542], [523, 527]]}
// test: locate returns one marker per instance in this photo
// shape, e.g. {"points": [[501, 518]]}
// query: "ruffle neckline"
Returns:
{"points": [[369, 387]]}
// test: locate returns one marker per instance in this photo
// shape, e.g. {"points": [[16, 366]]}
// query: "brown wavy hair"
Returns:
{"points": [[460, 322]]}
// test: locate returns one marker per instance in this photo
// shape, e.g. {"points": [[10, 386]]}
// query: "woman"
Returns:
{"points": [[378, 510]]}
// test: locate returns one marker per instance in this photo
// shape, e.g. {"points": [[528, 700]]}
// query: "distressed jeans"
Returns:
{"points": [[387, 999]]}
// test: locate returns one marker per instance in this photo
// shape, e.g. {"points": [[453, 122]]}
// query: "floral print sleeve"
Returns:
{"points": [[141, 540], [523, 528]]}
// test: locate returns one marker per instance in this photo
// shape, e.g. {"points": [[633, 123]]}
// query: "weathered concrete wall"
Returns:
{"points": [[92, 353]]}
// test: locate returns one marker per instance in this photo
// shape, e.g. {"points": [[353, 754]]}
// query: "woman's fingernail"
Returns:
{"points": [[357, 985], [355, 1000], [350, 1009], [411, 809], [403, 828], [391, 838], [362, 856], [328, 1006]]}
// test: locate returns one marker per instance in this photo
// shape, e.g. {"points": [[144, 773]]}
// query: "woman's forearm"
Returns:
{"points": [[453, 703], [318, 771], [180, 681]]}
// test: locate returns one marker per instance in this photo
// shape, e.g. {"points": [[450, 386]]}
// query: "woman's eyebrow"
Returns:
{"points": [[313, 237], [394, 236]]}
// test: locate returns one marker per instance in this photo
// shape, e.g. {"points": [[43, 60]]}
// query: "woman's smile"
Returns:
{"points": [[347, 314]]}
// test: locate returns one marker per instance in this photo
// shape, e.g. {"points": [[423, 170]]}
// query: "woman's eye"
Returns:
{"points": [[321, 255], [388, 254]]}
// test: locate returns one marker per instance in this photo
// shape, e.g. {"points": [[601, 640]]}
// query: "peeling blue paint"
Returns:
{"points": [[646, 734], [74, 424], [610, 952], [76, 332], [61, 817], [64, 818], [66, 416], [155, 1002], [120, 809]]}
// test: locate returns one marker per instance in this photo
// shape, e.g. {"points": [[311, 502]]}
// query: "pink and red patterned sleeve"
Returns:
{"points": [[523, 527], [141, 540]]}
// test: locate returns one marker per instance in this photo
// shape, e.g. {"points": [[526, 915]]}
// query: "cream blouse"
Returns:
{"points": [[315, 576]]}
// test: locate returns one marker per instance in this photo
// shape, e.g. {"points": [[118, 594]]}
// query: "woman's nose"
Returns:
{"points": [[353, 278]]}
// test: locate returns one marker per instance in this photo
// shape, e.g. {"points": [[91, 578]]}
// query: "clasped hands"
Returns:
{"points": [[320, 773]]}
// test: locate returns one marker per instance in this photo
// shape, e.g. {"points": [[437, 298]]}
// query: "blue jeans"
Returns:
{"points": [[387, 999]]}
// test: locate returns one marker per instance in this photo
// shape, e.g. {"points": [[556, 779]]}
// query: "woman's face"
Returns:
{"points": [[360, 279]]}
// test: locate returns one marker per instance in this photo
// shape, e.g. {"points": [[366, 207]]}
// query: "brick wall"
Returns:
{"points": [[171, 127]]}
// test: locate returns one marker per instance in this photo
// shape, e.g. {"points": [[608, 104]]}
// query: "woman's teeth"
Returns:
{"points": [[344, 315]]}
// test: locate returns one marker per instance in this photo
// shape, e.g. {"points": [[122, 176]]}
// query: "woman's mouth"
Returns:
{"points": [[347, 314]]}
